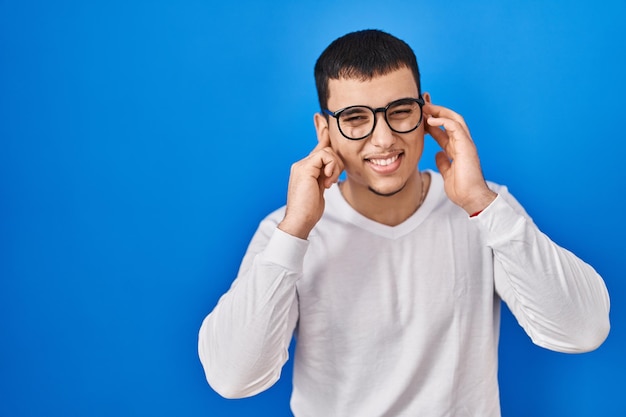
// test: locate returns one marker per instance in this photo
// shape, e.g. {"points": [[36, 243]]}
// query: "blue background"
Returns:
{"points": [[142, 141]]}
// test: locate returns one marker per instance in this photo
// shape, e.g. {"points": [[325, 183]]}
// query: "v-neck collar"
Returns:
{"points": [[342, 208]]}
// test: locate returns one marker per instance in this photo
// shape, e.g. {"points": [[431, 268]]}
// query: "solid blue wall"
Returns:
{"points": [[129, 190]]}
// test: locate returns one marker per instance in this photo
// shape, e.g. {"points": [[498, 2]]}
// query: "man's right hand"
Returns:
{"points": [[308, 180]]}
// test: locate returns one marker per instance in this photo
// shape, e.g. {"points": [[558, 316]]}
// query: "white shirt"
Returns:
{"points": [[397, 321]]}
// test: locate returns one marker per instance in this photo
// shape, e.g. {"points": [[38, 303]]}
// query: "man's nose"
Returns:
{"points": [[382, 135]]}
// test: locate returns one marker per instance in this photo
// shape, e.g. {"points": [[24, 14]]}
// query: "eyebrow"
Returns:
{"points": [[398, 100], [354, 109]]}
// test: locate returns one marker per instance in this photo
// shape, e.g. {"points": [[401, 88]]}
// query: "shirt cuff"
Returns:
{"points": [[499, 221], [286, 250]]}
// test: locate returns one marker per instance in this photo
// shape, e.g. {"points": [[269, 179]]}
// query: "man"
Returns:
{"points": [[391, 279]]}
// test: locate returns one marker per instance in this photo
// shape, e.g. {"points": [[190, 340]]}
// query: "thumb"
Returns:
{"points": [[443, 163]]}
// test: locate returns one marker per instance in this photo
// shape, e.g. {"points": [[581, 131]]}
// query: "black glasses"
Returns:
{"points": [[358, 122]]}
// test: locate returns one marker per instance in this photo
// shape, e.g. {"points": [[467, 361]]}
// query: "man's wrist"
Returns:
{"points": [[296, 230], [481, 203]]}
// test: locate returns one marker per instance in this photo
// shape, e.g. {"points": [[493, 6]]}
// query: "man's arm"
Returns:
{"points": [[243, 343], [559, 300]]}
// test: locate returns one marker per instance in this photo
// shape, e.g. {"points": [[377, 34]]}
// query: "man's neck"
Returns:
{"points": [[390, 210]]}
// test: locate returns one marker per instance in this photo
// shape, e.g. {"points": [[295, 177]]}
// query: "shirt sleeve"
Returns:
{"points": [[560, 301], [243, 343]]}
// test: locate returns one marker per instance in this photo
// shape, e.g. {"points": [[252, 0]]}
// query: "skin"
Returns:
{"points": [[388, 191]]}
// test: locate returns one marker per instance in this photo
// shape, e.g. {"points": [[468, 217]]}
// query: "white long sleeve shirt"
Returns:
{"points": [[397, 321]]}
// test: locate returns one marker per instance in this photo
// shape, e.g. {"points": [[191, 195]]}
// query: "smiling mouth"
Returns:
{"points": [[384, 161]]}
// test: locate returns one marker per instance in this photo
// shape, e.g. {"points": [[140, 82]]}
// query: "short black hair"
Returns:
{"points": [[364, 55]]}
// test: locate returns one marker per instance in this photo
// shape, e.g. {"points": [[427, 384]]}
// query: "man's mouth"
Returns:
{"points": [[384, 162]]}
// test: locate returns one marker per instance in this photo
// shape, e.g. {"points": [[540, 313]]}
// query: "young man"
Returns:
{"points": [[391, 280]]}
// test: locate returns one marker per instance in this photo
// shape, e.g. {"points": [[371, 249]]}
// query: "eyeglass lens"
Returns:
{"points": [[358, 122]]}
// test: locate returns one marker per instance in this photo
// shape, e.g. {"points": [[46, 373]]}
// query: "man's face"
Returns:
{"points": [[384, 162]]}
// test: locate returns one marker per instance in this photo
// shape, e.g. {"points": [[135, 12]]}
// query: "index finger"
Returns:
{"points": [[440, 111], [323, 142], [442, 114]]}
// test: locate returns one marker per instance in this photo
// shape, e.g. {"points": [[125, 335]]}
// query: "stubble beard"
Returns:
{"points": [[381, 194]]}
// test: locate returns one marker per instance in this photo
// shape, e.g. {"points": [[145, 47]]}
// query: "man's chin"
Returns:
{"points": [[387, 192]]}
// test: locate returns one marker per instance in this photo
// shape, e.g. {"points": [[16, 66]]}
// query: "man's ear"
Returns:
{"points": [[426, 97], [321, 127]]}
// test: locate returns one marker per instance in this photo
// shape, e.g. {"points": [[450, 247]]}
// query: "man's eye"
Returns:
{"points": [[400, 112], [355, 117]]}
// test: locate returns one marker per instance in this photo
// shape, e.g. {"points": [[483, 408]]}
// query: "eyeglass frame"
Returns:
{"points": [[420, 101]]}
